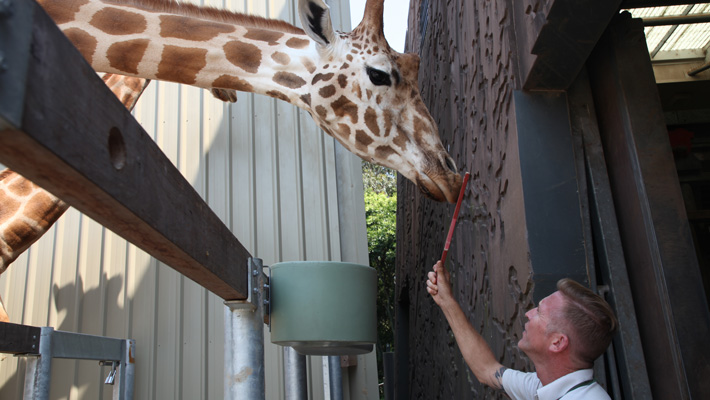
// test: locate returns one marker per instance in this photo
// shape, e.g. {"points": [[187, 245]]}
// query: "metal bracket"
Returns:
{"points": [[267, 298], [110, 379]]}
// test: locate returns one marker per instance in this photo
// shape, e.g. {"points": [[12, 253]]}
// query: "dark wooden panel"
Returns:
{"points": [[564, 43], [552, 211], [78, 141], [467, 77], [663, 270], [19, 339]]}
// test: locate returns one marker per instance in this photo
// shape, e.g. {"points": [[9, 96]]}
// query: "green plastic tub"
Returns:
{"points": [[324, 307]]}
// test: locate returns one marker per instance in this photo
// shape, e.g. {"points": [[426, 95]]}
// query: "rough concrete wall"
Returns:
{"points": [[467, 77]]}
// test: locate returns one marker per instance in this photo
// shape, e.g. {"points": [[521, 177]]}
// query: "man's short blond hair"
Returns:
{"points": [[590, 318]]}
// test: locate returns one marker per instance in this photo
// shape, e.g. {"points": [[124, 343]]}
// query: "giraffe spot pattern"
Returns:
{"points": [[308, 64], [118, 22], [388, 122], [190, 62], [288, 79], [344, 130], [306, 98], [243, 55], [16, 232], [322, 77], [357, 91], [371, 121], [37, 211], [419, 128], [278, 95], [232, 82], [297, 43], [401, 139], [344, 107], [198, 30], [327, 91], [321, 111], [262, 35], [281, 58], [342, 81], [85, 43], [9, 207], [362, 140], [125, 56], [60, 11], [383, 152]]}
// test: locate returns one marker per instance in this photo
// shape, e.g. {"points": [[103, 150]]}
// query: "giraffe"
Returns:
{"points": [[356, 88]]}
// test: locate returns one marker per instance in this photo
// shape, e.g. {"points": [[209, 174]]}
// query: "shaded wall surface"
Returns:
{"points": [[467, 77]]}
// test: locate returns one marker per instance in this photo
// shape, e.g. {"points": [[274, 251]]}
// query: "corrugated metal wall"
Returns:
{"points": [[273, 178]]}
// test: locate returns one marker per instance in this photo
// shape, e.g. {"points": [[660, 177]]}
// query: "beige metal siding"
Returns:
{"points": [[268, 173]]}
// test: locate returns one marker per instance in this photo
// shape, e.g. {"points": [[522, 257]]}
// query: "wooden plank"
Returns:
{"points": [[79, 142], [571, 30], [19, 339]]}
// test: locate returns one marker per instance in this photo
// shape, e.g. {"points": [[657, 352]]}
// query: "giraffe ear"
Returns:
{"points": [[315, 18]]}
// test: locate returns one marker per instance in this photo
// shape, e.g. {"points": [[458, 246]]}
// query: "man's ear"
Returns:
{"points": [[559, 343], [315, 18]]}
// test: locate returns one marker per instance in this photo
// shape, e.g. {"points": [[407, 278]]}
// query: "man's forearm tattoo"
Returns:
{"points": [[498, 378]]}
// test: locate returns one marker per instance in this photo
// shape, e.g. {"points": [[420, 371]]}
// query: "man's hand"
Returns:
{"points": [[438, 285]]}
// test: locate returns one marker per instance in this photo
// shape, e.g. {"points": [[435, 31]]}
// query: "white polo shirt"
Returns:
{"points": [[526, 386]]}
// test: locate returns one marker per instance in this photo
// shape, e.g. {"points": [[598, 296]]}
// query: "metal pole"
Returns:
{"points": [[39, 369], [295, 382], [126, 372], [335, 375], [244, 341]]}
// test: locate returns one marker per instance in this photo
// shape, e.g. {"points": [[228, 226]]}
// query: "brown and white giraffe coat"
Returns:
{"points": [[332, 75]]}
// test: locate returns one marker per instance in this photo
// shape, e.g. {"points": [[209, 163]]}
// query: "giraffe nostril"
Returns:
{"points": [[451, 165]]}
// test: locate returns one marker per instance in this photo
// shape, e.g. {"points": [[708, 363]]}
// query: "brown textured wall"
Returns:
{"points": [[467, 77]]}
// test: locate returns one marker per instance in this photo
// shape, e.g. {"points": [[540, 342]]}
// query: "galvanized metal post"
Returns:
{"points": [[39, 369], [244, 341], [335, 375], [295, 383], [123, 389]]}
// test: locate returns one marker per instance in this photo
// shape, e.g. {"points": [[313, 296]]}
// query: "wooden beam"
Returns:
{"points": [[570, 32], [19, 339], [78, 141]]}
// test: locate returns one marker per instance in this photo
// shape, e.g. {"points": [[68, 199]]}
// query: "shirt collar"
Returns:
{"points": [[559, 387]]}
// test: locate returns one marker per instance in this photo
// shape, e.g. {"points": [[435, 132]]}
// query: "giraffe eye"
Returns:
{"points": [[378, 78]]}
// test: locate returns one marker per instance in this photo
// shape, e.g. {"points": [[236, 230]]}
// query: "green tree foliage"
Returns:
{"points": [[381, 217]]}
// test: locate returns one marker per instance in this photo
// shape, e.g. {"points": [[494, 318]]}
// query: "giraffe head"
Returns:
{"points": [[366, 95]]}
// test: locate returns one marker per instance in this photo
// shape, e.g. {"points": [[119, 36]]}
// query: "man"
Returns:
{"points": [[563, 336]]}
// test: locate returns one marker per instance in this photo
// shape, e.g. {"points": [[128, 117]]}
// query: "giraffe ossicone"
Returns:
{"points": [[358, 89]]}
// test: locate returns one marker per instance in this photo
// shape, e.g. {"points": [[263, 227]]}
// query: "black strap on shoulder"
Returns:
{"points": [[577, 386]]}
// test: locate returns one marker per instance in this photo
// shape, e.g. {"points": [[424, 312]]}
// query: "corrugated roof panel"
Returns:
{"points": [[683, 37]]}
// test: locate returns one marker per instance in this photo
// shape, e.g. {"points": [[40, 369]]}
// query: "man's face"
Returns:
{"points": [[536, 335]]}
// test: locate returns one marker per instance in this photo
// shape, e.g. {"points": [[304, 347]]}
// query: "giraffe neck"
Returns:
{"points": [[27, 212], [187, 44]]}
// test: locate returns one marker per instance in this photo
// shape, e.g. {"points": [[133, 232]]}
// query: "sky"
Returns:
{"points": [[396, 15]]}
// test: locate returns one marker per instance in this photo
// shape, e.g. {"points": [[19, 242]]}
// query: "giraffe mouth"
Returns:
{"points": [[445, 188]]}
